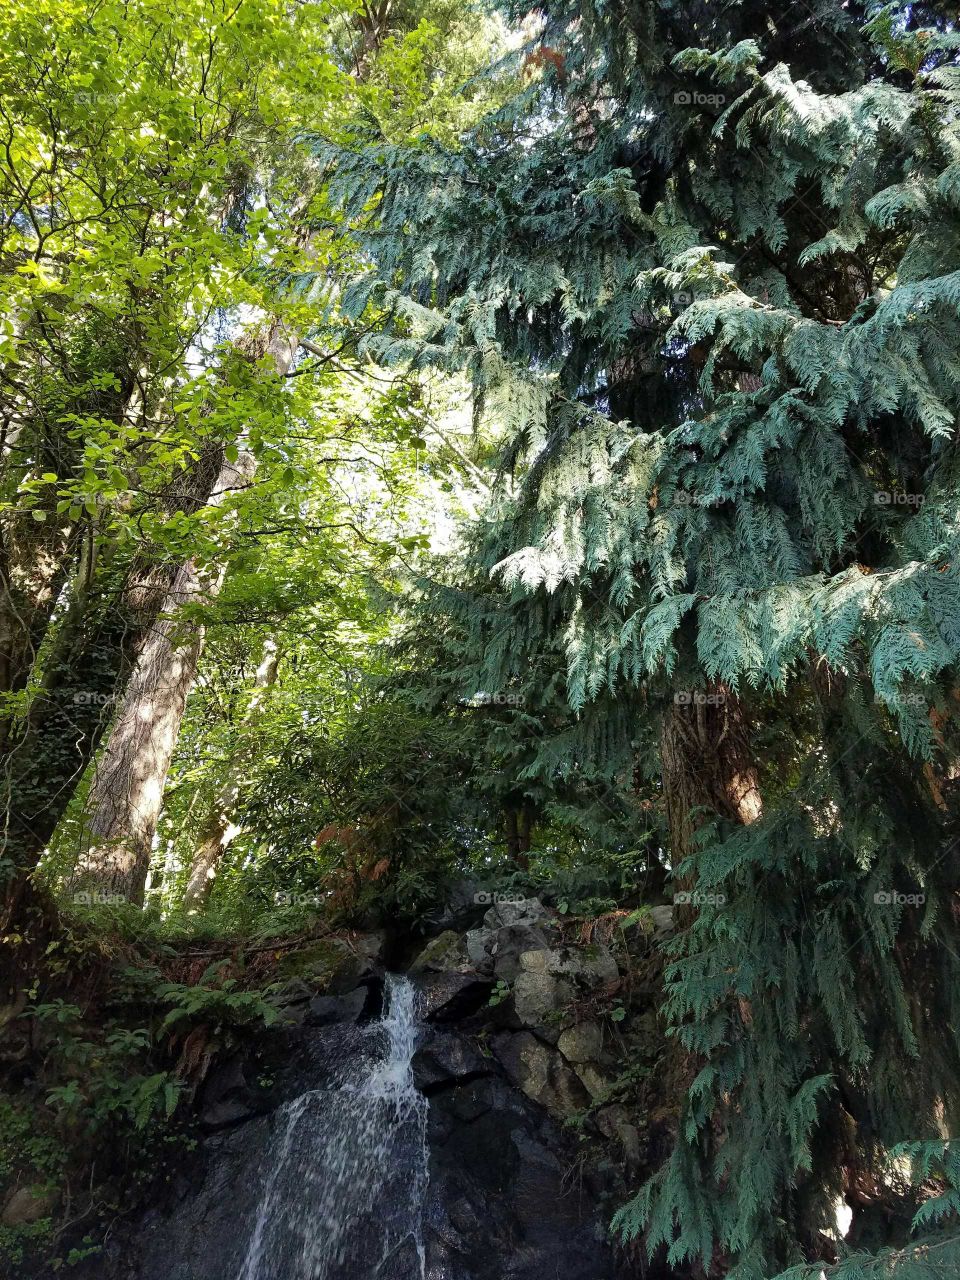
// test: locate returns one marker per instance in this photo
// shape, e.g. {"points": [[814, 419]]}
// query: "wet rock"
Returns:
{"points": [[230, 1095], [499, 1203], [448, 997], [293, 1001], [468, 1102], [445, 1059], [323, 1010]]}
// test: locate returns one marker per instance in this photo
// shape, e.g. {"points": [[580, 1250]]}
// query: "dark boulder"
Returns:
{"points": [[444, 1059], [323, 1010], [230, 1094], [451, 997], [500, 1203]]}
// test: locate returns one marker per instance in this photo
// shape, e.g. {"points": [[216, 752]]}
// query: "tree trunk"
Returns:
{"points": [[518, 822], [708, 768], [126, 797], [218, 830], [126, 800], [127, 793], [45, 756], [115, 602]]}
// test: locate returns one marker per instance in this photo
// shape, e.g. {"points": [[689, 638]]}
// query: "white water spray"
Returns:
{"points": [[344, 1196]]}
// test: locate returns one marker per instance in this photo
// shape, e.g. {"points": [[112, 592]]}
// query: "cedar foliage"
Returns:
{"points": [[704, 272]]}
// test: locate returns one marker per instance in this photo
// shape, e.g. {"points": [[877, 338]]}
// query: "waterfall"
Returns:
{"points": [[344, 1191]]}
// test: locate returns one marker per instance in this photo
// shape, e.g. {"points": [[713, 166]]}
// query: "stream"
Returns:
{"points": [[345, 1193]]}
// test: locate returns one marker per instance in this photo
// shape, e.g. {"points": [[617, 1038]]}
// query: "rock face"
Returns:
{"points": [[512, 1044], [500, 1204], [444, 954], [449, 997], [444, 1060], [539, 998], [509, 928], [541, 1073], [229, 1095], [583, 1042]]}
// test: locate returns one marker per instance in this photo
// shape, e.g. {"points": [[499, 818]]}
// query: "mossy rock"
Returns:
{"points": [[315, 963], [445, 953]]}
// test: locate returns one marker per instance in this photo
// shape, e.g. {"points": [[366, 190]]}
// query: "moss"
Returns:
{"points": [[445, 952], [316, 962]]}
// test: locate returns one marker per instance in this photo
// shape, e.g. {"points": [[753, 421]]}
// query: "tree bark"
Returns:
{"points": [[91, 655], [707, 766], [126, 797]]}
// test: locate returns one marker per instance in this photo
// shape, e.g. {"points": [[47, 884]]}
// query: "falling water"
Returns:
{"points": [[343, 1197]]}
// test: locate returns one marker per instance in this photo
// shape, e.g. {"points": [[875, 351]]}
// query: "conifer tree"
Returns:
{"points": [[704, 271]]}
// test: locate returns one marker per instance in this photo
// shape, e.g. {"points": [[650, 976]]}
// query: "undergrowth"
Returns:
{"points": [[104, 1048]]}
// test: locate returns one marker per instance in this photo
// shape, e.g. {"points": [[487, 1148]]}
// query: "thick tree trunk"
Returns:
{"points": [[708, 768], [126, 797], [115, 603], [219, 830], [91, 656], [127, 792], [518, 821]]}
